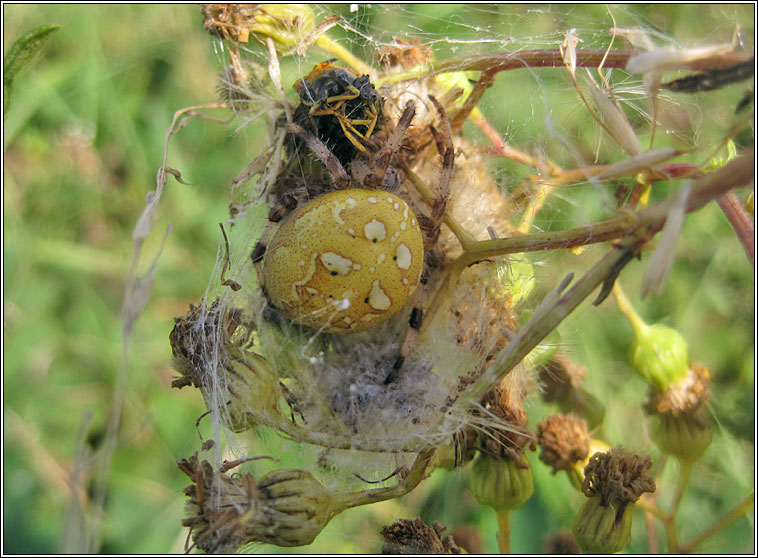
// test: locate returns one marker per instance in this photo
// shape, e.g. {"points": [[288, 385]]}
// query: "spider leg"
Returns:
{"points": [[417, 316], [321, 151], [381, 161], [432, 231], [444, 141]]}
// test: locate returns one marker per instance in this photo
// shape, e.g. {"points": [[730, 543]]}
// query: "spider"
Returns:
{"points": [[353, 254]]}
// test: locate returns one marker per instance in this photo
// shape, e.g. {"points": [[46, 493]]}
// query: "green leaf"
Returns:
{"points": [[19, 55]]}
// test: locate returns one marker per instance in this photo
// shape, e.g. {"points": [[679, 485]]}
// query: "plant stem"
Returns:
{"points": [[503, 531], [650, 507], [741, 222], [735, 514], [416, 474], [670, 523], [684, 479], [333, 47]]}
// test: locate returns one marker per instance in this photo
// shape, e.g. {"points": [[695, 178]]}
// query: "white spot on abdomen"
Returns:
{"points": [[375, 231], [403, 255], [336, 263], [377, 298]]}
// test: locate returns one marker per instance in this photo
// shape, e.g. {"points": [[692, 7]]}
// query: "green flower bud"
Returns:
{"points": [[516, 278], [659, 354], [686, 437], [599, 529], [679, 424], [503, 484]]}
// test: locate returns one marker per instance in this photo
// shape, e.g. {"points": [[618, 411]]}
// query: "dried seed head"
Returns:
{"points": [[613, 481], [516, 439], [404, 54], [560, 379], [619, 477], [287, 507], [413, 536], [294, 506], [244, 387], [686, 397], [564, 441], [561, 543]]}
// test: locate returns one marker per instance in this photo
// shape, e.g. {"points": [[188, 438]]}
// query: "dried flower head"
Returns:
{"points": [[287, 507], [413, 536], [561, 543], [613, 481], [619, 477], [563, 440]]}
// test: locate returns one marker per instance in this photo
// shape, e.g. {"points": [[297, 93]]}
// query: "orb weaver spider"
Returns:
{"points": [[348, 255]]}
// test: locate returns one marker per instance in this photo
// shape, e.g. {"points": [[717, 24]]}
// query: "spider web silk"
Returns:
{"points": [[535, 109]]}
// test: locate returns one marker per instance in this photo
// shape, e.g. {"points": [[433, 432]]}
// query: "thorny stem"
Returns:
{"points": [[545, 58], [556, 307], [741, 222], [737, 172], [416, 474], [735, 514], [503, 531], [509, 152]]}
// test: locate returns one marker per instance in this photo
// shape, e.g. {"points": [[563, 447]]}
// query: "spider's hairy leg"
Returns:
{"points": [[381, 160], [445, 147], [321, 151], [444, 141], [287, 203], [417, 316]]}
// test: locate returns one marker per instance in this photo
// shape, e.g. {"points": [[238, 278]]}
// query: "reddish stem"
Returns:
{"points": [[741, 222]]}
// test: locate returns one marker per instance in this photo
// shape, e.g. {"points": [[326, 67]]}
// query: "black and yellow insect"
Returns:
{"points": [[338, 105]]}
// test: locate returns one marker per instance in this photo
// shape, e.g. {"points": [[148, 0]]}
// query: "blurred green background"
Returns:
{"points": [[83, 140]]}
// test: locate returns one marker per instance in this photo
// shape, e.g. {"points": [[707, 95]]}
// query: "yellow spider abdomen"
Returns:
{"points": [[345, 261]]}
